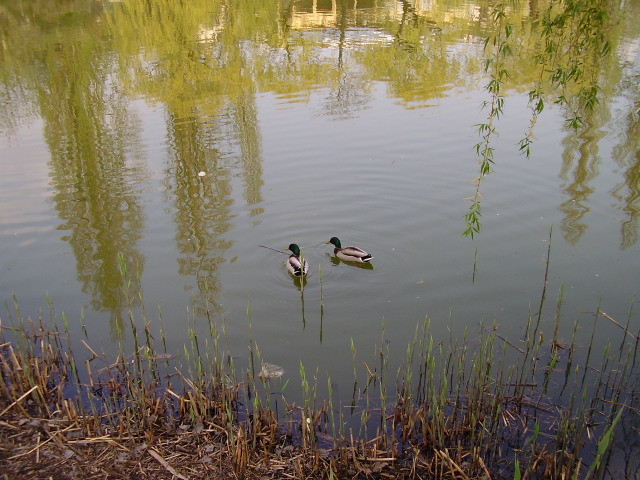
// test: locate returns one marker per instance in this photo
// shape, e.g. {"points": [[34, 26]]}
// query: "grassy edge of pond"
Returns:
{"points": [[463, 410]]}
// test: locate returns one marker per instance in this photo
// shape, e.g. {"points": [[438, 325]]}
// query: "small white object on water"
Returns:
{"points": [[202, 174]]}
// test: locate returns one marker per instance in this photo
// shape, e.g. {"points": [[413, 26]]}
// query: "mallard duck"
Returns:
{"points": [[295, 265], [349, 254]]}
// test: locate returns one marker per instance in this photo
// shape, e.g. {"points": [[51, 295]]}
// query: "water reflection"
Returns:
{"points": [[364, 266], [579, 168], [201, 206], [627, 155], [247, 132], [630, 227], [96, 170], [212, 128], [628, 194], [314, 13], [206, 64], [215, 76]]}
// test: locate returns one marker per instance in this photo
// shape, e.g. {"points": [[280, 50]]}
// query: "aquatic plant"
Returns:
{"points": [[471, 406]]}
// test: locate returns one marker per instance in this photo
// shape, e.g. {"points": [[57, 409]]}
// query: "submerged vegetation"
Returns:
{"points": [[480, 406]]}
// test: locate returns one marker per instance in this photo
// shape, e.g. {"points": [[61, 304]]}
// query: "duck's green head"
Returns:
{"points": [[295, 249], [335, 242]]}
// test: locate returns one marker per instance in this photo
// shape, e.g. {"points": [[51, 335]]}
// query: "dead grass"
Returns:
{"points": [[470, 415]]}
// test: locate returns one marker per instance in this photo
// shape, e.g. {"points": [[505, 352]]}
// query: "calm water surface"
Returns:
{"points": [[309, 120]]}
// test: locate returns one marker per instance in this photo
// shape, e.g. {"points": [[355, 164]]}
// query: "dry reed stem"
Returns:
{"points": [[484, 468], [221, 441], [37, 447], [240, 452], [16, 402], [445, 456], [95, 355], [165, 464], [611, 319]]}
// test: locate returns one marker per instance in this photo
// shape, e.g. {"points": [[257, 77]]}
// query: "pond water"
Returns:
{"points": [[185, 139]]}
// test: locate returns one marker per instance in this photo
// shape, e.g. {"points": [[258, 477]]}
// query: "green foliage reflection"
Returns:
{"points": [[78, 65], [568, 41]]}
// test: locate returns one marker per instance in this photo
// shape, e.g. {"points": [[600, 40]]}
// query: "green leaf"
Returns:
{"points": [[508, 29], [517, 475], [604, 444]]}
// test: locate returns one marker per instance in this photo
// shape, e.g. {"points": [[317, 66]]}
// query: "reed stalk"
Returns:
{"points": [[461, 406]]}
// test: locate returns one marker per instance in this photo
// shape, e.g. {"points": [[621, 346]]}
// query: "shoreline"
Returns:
{"points": [[464, 413]]}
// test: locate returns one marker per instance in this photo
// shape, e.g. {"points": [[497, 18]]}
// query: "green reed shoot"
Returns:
{"points": [[332, 415], [321, 301], [603, 445], [545, 284], [554, 343], [308, 430], [384, 368]]}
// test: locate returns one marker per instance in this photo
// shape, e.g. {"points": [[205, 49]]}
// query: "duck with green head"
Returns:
{"points": [[296, 266], [349, 254]]}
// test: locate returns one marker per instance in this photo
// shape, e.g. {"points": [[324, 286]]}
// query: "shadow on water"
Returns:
{"points": [[336, 261], [299, 282]]}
